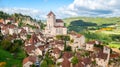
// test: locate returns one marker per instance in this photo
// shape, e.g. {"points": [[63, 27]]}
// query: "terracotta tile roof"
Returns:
{"points": [[1, 24], [73, 33], [94, 42], [102, 55], [10, 19], [1, 20], [87, 61], [42, 48], [23, 31], [114, 55], [4, 28], [78, 35], [59, 20], [12, 26], [66, 63], [40, 33], [56, 50], [97, 49], [91, 42], [79, 64], [58, 42], [14, 35], [29, 59], [50, 13], [78, 55], [34, 39], [30, 48], [67, 55]]}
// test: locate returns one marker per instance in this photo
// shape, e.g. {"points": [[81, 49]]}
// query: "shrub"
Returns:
{"points": [[74, 60]]}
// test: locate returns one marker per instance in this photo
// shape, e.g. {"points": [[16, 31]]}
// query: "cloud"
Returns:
{"points": [[97, 8], [26, 11], [92, 8]]}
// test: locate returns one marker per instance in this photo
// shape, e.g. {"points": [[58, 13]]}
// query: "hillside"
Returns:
{"points": [[97, 20], [96, 28]]}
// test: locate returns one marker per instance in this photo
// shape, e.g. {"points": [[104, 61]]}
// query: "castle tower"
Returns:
{"points": [[51, 20]]}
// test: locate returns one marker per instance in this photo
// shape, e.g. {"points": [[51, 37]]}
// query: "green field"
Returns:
{"points": [[115, 45]]}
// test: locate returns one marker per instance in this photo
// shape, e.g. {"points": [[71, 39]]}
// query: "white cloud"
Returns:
{"points": [[100, 8], [92, 8]]}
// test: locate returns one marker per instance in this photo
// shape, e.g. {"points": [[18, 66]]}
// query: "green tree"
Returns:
{"points": [[74, 60], [14, 47], [68, 48], [63, 37], [72, 40], [28, 36], [6, 44], [20, 24], [44, 64], [19, 42]]}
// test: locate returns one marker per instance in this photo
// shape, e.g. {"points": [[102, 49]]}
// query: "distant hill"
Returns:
{"points": [[97, 20], [16, 16], [80, 24]]}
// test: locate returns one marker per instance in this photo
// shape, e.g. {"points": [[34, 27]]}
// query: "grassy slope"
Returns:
{"points": [[96, 20], [99, 21], [9, 59], [115, 45]]}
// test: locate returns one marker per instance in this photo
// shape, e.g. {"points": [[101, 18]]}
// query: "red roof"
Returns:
{"points": [[56, 50], [23, 31], [50, 13], [1, 20], [102, 55], [12, 26], [30, 48], [59, 20], [91, 42], [59, 42], [42, 48], [78, 35], [73, 33], [10, 19], [87, 61], [29, 59], [114, 55], [67, 55], [34, 39], [66, 63]]}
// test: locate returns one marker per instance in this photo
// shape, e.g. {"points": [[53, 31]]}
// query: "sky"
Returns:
{"points": [[62, 8]]}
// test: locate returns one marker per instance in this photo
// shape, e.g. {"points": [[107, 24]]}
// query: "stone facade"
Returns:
{"points": [[54, 26]]}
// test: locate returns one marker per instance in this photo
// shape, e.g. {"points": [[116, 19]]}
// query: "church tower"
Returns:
{"points": [[51, 20]]}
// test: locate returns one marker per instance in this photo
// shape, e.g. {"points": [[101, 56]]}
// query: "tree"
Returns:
{"points": [[28, 36], [1, 36], [42, 25], [19, 42], [72, 40], [20, 24], [68, 48], [6, 44], [4, 15], [48, 60], [44, 64], [63, 37], [14, 47], [74, 60]]}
